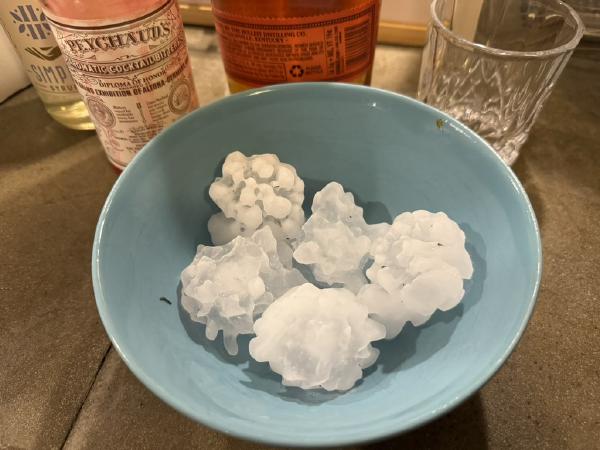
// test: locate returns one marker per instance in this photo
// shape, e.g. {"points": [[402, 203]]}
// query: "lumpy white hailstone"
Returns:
{"points": [[334, 204], [419, 266], [222, 230], [317, 338], [227, 287], [336, 240], [254, 192], [313, 337], [336, 253]]}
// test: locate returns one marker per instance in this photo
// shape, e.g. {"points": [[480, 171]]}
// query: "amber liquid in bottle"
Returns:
{"points": [[277, 41]]}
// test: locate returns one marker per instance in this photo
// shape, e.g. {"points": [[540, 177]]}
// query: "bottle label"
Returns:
{"points": [[334, 47], [30, 33], [135, 77]]}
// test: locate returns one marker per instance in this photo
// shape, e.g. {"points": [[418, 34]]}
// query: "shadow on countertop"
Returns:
{"points": [[463, 428]]}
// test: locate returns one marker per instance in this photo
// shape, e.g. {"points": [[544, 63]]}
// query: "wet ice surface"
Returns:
{"points": [[227, 287], [334, 204], [317, 338], [222, 230], [254, 192], [335, 241], [419, 266], [336, 253], [369, 279]]}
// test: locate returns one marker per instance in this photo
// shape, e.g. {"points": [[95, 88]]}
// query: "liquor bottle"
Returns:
{"points": [[130, 62], [28, 30], [277, 41]]}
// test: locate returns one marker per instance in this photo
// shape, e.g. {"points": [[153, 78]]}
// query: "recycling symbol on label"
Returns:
{"points": [[296, 71]]}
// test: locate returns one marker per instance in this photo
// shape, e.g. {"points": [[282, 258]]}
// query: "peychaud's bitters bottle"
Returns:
{"points": [[129, 61]]}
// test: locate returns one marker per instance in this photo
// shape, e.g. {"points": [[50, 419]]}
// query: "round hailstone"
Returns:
{"points": [[419, 266], [253, 192], [228, 287], [316, 338]]}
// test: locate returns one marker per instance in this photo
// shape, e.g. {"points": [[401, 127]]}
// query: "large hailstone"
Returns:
{"points": [[228, 287], [336, 240], [317, 338], [335, 252], [334, 204], [253, 192], [419, 266]]}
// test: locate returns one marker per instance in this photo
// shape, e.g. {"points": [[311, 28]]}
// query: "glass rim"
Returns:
{"points": [[470, 45]]}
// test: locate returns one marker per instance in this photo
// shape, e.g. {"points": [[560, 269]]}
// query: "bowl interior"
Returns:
{"points": [[395, 155]]}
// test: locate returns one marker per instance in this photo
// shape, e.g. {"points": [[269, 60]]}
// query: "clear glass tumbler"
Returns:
{"points": [[492, 63]]}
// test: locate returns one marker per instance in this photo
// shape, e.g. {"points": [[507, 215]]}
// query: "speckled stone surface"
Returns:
{"points": [[60, 387]]}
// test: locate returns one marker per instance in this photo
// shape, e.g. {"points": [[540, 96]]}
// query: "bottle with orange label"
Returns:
{"points": [[280, 41]]}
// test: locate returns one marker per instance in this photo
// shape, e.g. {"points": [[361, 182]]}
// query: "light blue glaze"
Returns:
{"points": [[394, 155]]}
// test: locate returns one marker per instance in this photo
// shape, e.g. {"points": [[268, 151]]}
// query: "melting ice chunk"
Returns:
{"points": [[317, 338], [253, 192], [335, 241], [419, 266], [336, 252], [334, 204], [229, 286]]}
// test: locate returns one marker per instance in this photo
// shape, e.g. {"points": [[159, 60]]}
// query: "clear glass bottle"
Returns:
{"points": [[28, 30], [277, 41], [130, 62]]}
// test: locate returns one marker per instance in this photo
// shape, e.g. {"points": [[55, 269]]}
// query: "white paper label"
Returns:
{"points": [[30, 33]]}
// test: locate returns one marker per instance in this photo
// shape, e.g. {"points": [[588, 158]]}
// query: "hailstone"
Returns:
{"points": [[227, 287], [419, 266], [334, 204], [336, 240], [254, 192], [335, 252], [317, 338]]}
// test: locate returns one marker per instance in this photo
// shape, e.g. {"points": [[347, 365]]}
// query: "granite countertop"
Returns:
{"points": [[62, 385]]}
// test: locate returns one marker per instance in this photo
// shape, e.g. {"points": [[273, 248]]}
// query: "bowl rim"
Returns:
{"points": [[356, 437]]}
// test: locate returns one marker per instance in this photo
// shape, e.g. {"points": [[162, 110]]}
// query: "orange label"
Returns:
{"points": [[333, 47]]}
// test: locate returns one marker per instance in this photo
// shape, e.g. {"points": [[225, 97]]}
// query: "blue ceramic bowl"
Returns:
{"points": [[394, 154]]}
